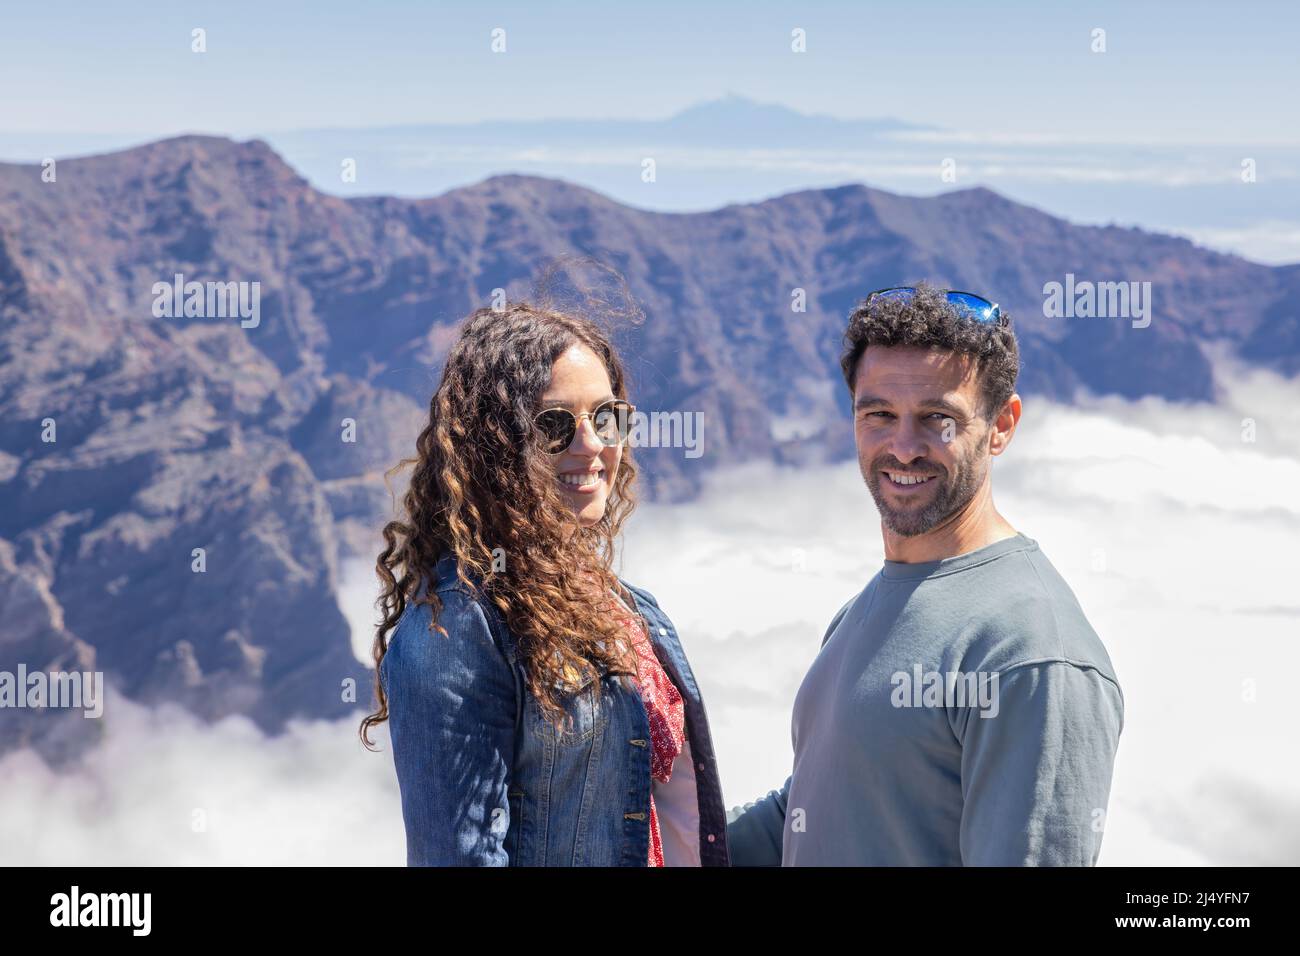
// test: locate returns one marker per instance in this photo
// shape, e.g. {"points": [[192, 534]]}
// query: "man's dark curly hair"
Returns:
{"points": [[928, 320]]}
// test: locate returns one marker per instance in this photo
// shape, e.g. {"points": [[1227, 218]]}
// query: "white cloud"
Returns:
{"points": [[1178, 538], [312, 796], [1272, 242], [357, 590]]}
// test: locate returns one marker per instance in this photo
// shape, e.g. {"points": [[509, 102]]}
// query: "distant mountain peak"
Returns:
{"points": [[733, 104], [734, 108]]}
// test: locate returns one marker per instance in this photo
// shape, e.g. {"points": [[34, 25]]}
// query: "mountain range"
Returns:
{"points": [[176, 492]]}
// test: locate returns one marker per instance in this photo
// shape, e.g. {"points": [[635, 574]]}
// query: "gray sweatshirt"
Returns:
{"points": [[960, 712]]}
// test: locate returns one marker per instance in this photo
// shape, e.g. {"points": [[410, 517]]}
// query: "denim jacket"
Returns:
{"points": [[486, 780]]}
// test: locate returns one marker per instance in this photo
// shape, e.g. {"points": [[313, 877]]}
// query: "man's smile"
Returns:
{"points": [[905, 481]]}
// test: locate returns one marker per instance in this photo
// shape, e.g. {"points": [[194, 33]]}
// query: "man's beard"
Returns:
{"points": [[955, 489]]}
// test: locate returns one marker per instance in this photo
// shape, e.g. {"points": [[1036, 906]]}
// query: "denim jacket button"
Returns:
{"points": [[710, 837], [701, 765], [663, 631]]}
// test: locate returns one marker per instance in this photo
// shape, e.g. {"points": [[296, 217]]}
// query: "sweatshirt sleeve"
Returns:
{"points": [[1036, 770], [756, 831]]}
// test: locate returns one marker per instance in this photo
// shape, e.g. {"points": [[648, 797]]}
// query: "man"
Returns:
{"points": [[961, 710]]}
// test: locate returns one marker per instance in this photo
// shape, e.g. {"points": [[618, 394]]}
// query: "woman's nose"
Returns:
{"points": [[586, 439]]}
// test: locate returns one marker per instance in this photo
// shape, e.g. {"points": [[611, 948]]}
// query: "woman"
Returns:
{"points": [[542, 710]]}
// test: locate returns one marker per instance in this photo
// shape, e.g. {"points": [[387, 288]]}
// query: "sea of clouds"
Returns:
{"points": [[1179, 537]]}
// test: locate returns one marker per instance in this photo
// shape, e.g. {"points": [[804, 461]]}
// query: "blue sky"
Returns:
{"points": [[1190, 72], [1152, 132]]}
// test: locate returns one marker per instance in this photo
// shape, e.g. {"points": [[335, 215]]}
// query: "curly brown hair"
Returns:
{"points": [[482, 482], [927, 320]]}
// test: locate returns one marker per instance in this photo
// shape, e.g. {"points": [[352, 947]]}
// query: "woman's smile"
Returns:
{"points": [[582, 482]]}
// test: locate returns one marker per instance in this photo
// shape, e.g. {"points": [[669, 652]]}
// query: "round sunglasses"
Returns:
{"points": [[968, 304], [558, 426]]}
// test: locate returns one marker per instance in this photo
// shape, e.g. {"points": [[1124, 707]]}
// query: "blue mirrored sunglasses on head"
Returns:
{"points": [[968, 303]]}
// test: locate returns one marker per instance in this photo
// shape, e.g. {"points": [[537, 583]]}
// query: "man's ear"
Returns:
{"points": [[1004, 426]]}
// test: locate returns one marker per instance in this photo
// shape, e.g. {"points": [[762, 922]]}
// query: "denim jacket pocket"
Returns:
{"points": [[583, 716]]}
